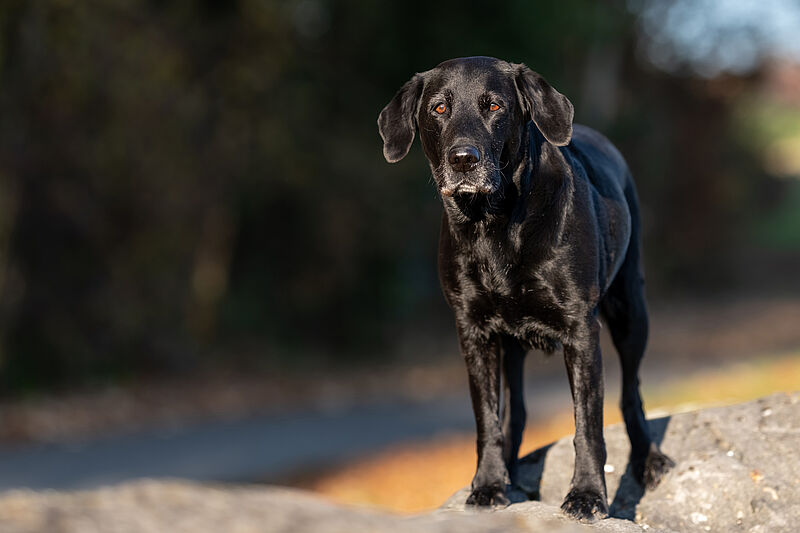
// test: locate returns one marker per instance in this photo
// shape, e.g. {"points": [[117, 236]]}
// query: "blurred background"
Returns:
{"points": [[208, 270]]}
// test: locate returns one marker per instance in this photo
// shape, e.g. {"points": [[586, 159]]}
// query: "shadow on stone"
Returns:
{"points": [[531, 468], [630, 490]]}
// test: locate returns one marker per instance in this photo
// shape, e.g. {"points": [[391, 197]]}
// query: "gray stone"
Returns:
{"points": [[179, 507], [738, 469]]}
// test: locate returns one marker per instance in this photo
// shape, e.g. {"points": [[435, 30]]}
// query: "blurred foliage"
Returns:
{"points": [[201, 183], [759, 122], [780, 229]]}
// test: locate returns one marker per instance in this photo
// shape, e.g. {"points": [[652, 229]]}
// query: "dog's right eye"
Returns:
{"points": [[440, 108]]}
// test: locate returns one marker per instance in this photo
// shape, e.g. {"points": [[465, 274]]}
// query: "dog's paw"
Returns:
{"points": [[655, 468], [488, 496], [585, 505]]}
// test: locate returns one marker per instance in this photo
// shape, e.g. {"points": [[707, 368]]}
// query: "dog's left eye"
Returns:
{"points": [[494, 106]]}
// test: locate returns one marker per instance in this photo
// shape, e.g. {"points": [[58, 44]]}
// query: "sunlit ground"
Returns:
{"points": [[416, 477]]}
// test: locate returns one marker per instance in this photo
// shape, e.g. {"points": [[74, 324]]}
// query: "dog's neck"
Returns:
{"points": [[536, 196]]}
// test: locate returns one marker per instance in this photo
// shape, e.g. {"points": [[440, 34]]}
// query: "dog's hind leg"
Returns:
{"points": [[513, 403], [625, 312]]}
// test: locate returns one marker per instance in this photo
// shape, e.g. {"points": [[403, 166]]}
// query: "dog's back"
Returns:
{"points": [[595, 151], [612, 193]]}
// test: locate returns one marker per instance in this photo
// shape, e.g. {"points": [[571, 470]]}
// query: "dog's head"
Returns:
{"points": [[472, 114]]}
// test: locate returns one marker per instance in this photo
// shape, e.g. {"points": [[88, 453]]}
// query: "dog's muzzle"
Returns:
{"points": [[465, 175]]}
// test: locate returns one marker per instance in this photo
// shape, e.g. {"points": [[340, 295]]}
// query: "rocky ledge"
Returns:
{"points": [[738, 469]]}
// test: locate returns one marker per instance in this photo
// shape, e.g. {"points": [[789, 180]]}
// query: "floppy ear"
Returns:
{"points": [[550, 110], [397, 121]]}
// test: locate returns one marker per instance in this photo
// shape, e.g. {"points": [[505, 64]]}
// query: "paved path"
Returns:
{"points": [[263, 446], [260, 448]]}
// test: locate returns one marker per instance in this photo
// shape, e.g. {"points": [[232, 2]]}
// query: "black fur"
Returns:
{"points": [[540, 236]]}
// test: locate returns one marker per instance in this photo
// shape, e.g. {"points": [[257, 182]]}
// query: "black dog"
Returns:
{"points": [[540, 235]]}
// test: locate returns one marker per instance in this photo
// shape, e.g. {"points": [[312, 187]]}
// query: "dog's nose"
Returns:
{"points": [[463, 158]]}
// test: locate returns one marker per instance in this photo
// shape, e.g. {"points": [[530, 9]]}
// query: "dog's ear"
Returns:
{"points": [[397, 121], [550, 110]]}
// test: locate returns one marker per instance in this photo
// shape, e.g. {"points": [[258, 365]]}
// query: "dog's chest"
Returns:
{"points": [[501, 296]]}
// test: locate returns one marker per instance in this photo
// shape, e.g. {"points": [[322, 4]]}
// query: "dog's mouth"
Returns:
{"points": [[480, 182], [464, 188]]}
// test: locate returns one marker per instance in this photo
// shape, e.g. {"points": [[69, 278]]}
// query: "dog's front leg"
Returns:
{"points": [[587, 498], [482, 356]]}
